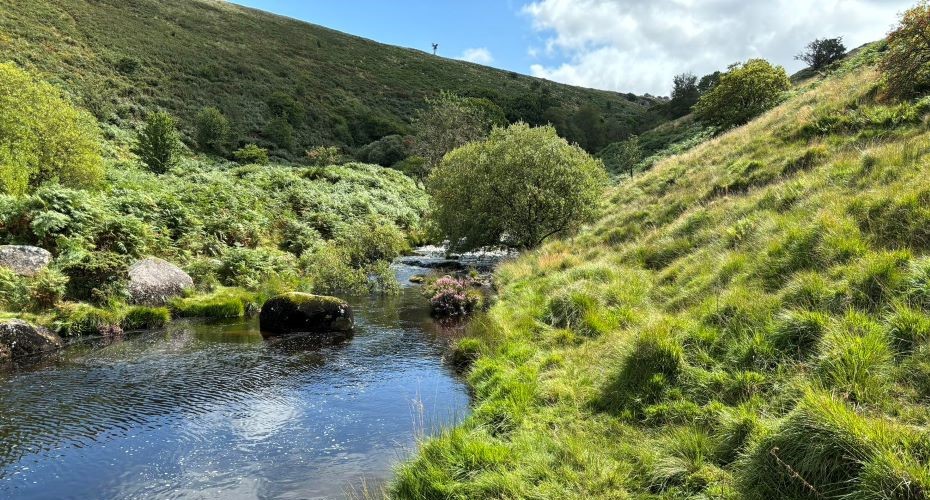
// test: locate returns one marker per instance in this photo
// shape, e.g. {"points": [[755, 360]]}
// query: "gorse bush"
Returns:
{"points": [[551, 188], [43, 137]]}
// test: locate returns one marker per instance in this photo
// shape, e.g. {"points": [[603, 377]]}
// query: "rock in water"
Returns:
{"points": [[303, 312], [20, 339], [153, 281], [24, 260]]}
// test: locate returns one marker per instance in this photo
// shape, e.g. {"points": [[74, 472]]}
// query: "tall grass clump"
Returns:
{"points": [[855, 359]]}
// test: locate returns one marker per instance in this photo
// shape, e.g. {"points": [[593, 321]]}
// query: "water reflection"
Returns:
{"points": [[209, 410]]}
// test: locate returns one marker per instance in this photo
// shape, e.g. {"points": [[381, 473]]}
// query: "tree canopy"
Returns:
{"points": [[906, 63], [744, 92], [516, 188], [822, 52], [43, 137]]}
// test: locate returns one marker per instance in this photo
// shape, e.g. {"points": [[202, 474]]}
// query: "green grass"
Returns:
{"points": [[769, 296], [121, 60], [224, 303]]}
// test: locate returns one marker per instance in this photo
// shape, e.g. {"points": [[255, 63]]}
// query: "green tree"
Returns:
{"points": [[708, 82], [591, 131], [685, 94], [251, 154], [744, 92], [518, 187], [822, 52], [281, 132], [451, 121], [622, 157], [43, 137], [212, 129], [159, 144], [906, 62]]}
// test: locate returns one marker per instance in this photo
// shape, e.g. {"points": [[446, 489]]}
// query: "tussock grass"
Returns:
{"points": [[772, 287]]}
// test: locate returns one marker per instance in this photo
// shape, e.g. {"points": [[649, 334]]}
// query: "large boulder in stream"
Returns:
{"points": [[24, 260], [19, 339], [153, 281], [297, 312]]}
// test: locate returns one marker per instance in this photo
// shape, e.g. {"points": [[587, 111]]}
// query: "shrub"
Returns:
{"points": [[652, 366], [281, 132], [146, 318], [744, 92], [543, 194], [43, 137], [622, 157], [251, 154], [906, 61], [158, 144], [452, 297], [855, 359], [88, 320], [47, 288], [98, 277], [14, 291], [211, 129], [322, 156], [822, 52], [386, 151], [251, 268], [329, 272], [371, 241]]}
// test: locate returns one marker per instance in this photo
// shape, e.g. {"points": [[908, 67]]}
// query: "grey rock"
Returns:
{"points": [[23, 259], [297, 312], [154, 281], [20, 339]]}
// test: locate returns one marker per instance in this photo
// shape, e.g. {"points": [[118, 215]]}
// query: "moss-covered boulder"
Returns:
{"points": [[19, 339], [297, 312]]}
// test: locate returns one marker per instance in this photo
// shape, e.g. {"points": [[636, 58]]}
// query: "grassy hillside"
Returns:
{"points": [[748, 320], [123, 58]]}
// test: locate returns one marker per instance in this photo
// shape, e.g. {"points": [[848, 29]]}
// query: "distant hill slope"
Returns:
{"points": [[121, 58]]}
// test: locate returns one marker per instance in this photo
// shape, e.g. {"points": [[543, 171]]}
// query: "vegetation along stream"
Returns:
{"points": [[211, 410]]}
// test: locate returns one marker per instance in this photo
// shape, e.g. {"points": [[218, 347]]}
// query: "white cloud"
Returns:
{"points": [[478, 56], [639, 45]]}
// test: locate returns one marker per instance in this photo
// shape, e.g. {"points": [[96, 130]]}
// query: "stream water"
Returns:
{"points": [[210, 410]]}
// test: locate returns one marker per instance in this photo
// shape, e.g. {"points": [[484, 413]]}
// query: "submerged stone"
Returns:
{"points": [[297, 312]]}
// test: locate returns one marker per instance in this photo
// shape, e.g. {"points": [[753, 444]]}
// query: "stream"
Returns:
{"points": [[210, 410]]}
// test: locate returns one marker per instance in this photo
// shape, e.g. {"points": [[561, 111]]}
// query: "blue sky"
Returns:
{"points": [[622, 45]]}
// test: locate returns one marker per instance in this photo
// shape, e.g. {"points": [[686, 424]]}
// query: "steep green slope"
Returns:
{"points": [[121, 58], [748, 320]]}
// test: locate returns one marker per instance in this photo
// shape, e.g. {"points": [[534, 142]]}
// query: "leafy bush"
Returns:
{"points": [[251, 268], [744, 92], [514, 192], [370, 241], [906, 61], [386, 151], [453, 297], [14, 291], [329, 272], [44, 138], [251, 154], [158, 144], [47, 288], [97, 277], [145, 318], [211, 129], [322, 156]]}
